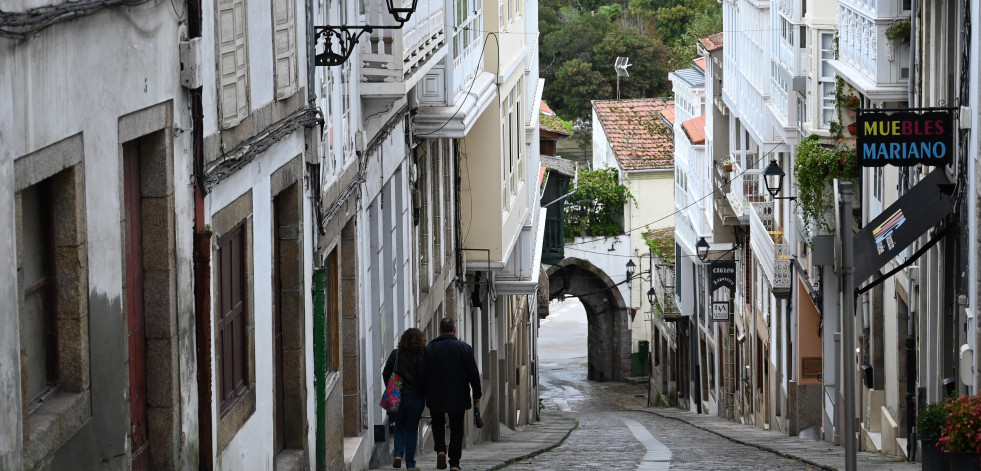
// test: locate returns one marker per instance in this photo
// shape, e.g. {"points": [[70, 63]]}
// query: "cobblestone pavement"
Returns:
{"points": [[611, 434]]}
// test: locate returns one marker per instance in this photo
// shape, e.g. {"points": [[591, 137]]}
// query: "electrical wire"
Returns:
{"points": [[472, 82], [20, 25], [679, 210]]}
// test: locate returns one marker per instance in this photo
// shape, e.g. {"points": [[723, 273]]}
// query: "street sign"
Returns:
{"points": [[905, 138], [902, 223], [720, 311]]}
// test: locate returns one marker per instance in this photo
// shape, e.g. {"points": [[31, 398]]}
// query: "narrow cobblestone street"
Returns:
{"points": [[613, 432], [605, 440]]}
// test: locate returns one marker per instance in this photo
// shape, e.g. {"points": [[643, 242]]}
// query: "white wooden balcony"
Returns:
{"points": [[662, 280], [394, 60], [867, 59], [744, 188], [767, 239], [791, 9], [746, 71]]}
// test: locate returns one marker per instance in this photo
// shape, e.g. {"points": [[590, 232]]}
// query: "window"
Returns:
{"points": [[232, 62], [284, 47], [465, 36], [52, 297], [232, 335], [877, 190], [39, 320], [826, 81]]}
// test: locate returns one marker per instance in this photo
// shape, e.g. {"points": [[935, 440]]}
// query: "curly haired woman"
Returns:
{"points": [[407, 361]]}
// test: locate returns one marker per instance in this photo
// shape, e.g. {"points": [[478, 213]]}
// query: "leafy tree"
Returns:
{"points": [[648, 56], [573, 40], [703, 25], [672, 22], [596, 208], [578, 83]]}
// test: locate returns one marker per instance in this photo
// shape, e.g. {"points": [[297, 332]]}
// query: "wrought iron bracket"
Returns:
{"points": [[338, 42]]}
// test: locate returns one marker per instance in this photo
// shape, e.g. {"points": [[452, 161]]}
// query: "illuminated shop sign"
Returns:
{"points": [[905, 138]]}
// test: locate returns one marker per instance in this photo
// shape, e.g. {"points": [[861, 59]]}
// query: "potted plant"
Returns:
{"points": [[929, 426], [899, 32], [727, 163], [961, 437]]}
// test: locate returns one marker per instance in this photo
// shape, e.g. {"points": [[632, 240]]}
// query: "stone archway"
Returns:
{"points": [[608, 338]]}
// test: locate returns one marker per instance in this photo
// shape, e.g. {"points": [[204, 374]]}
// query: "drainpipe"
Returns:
{"points": [[910, 367], [320, 363], [914, 24], [202, 263]]}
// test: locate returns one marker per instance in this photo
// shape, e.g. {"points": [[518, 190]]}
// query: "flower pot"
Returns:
{"points": [[853, 129], [933, 458], [963, 460], [851, 112], [728, 167]]}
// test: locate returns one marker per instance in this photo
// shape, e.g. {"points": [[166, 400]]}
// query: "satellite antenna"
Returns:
{"points": [[620, 66]]}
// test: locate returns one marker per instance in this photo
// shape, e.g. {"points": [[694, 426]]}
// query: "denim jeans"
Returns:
{"points": [[407, 427], [456, 435]]}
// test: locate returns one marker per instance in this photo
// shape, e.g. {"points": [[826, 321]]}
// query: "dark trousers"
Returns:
{"points": [[456, 435]]}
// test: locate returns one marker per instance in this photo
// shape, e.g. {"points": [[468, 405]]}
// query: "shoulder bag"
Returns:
{"points": [[393, 395]]}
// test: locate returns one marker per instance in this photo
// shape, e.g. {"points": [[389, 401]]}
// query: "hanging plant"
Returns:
{"points": [[815, 168], [899, 32]]}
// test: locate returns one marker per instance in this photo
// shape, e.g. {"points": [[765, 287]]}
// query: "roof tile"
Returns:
{"points": [[639, 138], [695, 129]]}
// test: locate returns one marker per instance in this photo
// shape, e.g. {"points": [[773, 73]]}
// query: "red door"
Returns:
{"points": [[134, 307]]}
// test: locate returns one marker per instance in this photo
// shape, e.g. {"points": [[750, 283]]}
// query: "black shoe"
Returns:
{"points": [[397, 462], [441, 460]]}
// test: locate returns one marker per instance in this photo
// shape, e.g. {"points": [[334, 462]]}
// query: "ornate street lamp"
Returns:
{"points": [[631, 266], [773, 177], [650, 295], [338, 42], [702, 249]]}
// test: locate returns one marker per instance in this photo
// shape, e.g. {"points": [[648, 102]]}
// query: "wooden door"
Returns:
{"points": [[279, 424], [134, 307]]}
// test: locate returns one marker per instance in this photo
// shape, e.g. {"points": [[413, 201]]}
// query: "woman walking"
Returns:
{"points": [[407, 362]]}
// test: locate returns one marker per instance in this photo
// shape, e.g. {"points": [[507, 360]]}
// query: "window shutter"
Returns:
{"points": [[233, 62], [284, 47]]}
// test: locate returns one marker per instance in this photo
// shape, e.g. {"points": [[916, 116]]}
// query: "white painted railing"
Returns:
{"points": [[766, 240], [390, 55], [467, 41]]}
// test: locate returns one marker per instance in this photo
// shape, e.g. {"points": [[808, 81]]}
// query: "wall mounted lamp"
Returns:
{"points": [[773, 177], [338, 42]]}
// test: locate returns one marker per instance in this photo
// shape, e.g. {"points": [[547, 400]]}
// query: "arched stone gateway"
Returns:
{"points": [[608, 337]]}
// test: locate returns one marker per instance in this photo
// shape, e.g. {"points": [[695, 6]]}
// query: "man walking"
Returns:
{"points": [[452, 374]]}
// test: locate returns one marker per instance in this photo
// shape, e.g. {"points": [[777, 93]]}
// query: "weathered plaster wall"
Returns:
{"points": [[251, 445]]}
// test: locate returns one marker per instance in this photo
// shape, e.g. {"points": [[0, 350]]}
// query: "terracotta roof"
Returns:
{"points": [[550, 125], [712, 42], [639, 138], [668, 115], [695, 129], [700, 63]]}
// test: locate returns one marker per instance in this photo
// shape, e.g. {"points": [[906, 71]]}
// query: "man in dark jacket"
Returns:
{"points": [[452, 375]]}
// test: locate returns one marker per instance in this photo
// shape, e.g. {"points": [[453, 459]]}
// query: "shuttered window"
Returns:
{"points": [[232, 62], [232, 317], [284, 47]]}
